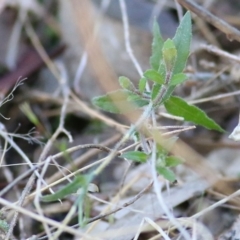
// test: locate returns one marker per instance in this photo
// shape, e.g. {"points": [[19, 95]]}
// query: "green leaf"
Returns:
{"points": [[173, 161], [169, 52], [178, 79], [178, 107], [182, 40], [154, 76], [120, 101], [166, 173], [78, 182], [136, 156], [162, 69], [168, 94], [137, 100], [126, 83], [4, 226], [155, 90], [107, 102], [157, 45], [168, 142], [161, 151], [142, 84]]}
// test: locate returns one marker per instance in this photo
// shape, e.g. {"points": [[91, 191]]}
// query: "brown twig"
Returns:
{"points": [[42, 219], [25, 192], [101, 216], [215, 50], [133, 200], [18, 179], [231, 32], [70, 150]]}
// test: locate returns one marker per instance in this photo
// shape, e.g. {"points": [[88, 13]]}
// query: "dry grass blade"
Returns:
{"points": [[123, 229]]}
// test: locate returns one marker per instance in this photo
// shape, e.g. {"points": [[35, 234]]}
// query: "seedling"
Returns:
{"points": [[167, 63]]}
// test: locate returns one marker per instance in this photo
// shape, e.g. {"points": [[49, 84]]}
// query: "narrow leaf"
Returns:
{"points": [[78, 182], [166, 173], [136, 156], [154, 76], [162, 69], [182, 40], [167, 94], [137, 100], [173, 161], [107, 102], [157, 45], [168, 142], [155, 90], [142, 84], [178, 79], [126, 83], [178, 107], [169, 52]]}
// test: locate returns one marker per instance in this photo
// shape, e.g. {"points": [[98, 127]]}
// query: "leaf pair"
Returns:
{"points": [[169, 56], [164, 162], [179, 107], [120, 101], [79, 182], [171, 53]]}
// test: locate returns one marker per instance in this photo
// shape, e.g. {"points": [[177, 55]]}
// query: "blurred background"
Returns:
{"points": [[80, 46]]}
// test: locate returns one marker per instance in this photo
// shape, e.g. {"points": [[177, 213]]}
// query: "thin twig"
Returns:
{"points": [[100, 216], [215, 50], [58, 155], [42, 219], [115, 199], [41, 51], [179, 10], [158, 191], [54, 179], [18, 179], [127, 37], [219, 96], [61, 129], [217, 204], [209, 35], [133, 200], [25, 192], [83, 158], [93, 113], [4, 135], [231, 32]]}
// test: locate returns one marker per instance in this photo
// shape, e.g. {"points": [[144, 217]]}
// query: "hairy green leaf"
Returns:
{"points": [[107, 102], [182, 40], [142, 84], [178, 79], [157, 45], [4, 226], [126, 83], [154, 76], [169, 52], [166, 173], [78, 182], [136, 156], [137, 100], [179, 107], [173, 161], [155, 90], [120, 101], [168, 93]]}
